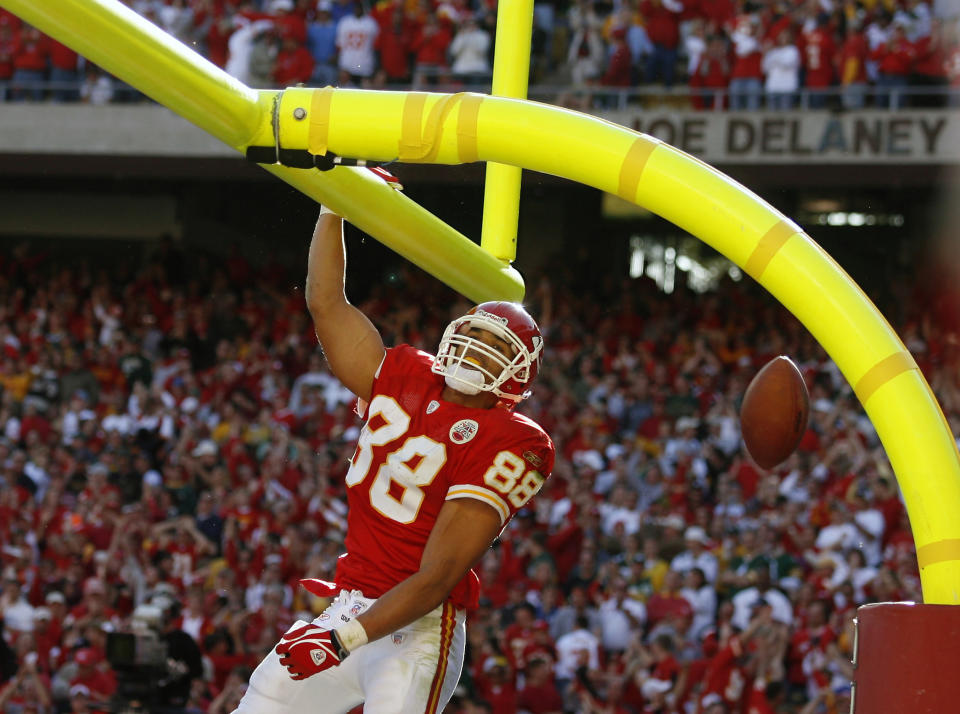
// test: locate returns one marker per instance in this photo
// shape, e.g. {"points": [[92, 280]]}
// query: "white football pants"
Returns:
{"points": [[412, 671]]}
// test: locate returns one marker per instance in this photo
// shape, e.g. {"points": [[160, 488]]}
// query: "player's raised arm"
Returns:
{"points": [[351, 343]]}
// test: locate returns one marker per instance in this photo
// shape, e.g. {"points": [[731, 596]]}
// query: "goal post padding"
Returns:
{"points": [[907, 659]]}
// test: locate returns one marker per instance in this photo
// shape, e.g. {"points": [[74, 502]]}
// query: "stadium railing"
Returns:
{"points": [[596, 96]]}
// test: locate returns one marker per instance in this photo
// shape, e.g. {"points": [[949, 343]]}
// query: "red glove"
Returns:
{"points": [[306, 650], [392, 181]]}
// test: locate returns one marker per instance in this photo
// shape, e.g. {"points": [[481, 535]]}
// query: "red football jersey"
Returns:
{"points": [[725, 676], [417, 451]]}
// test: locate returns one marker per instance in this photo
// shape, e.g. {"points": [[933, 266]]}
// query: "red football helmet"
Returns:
{"points": [[510, 322]]}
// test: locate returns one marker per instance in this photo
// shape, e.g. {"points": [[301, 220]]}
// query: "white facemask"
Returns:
{"points": [[465, 380]]}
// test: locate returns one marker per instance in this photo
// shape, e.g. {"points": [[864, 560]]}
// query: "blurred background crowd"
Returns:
{"points": [[173, 447], [741, 54]]}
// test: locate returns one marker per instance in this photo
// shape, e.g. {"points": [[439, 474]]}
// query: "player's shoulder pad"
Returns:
{"points": [[528, 425], [536, 444]]}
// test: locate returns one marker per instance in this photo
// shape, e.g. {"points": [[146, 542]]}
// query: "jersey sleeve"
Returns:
{"points": [[399, 363], [505, 475]]}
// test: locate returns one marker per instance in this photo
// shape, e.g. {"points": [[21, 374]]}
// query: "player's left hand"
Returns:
{"points": [[306, 650]]}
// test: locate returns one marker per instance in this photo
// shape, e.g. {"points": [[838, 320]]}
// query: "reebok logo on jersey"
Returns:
{"points": [[463, 431], [433, 406], [318, 655], [533, 459]]}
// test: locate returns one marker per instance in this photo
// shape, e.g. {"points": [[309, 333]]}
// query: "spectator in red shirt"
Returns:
{"points": [[30, 65], [393, 43], [663, 28], [712, 72], [63, 72], [46, 634], [34, 422], [819, 52], [98, 680], [815, 636], [539, 694], [894, 60], [619, 62], [219, 26], [495, 685], [930, 68], [853, 66], [94, 606], [288, 22], [725, 679], [669, 602], [430, 52], [294, 63], [660, 660], [519, 635]]}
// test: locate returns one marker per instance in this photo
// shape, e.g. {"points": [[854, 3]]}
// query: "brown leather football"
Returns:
{"points": [[774, 412]]}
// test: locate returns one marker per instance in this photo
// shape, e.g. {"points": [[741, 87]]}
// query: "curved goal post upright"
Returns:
{"points": [[419, 127], [458, 128]]}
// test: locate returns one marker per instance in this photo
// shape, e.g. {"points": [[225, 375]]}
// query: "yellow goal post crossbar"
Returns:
{"points": [[444, 128], [142, 55]]}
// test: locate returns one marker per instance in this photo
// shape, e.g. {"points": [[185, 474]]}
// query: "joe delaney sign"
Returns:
{"points": [[915, 137]]}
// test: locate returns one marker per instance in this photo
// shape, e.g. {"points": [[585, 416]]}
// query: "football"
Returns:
{"points": [[774, 412]]}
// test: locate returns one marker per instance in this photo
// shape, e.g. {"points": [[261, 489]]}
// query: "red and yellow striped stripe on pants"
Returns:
{"points": [[448, 622]]}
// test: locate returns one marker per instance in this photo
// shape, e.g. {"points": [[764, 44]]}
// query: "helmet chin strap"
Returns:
{"points": [[464, 380]]}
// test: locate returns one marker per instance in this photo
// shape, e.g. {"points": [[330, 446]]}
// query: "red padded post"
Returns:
{"points": [[907, 659]]}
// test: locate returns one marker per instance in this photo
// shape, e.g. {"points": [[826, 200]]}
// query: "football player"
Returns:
{"points": [[441, 465]]}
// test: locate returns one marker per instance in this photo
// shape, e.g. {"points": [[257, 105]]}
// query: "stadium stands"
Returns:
{"points": [[171, 436], [701, 53]]}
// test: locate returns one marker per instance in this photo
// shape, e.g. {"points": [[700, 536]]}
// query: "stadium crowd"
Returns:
{"points": [[737, 53], [172, 454]]}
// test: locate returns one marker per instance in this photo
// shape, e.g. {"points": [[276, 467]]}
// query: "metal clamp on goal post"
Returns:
{"points": [[308, 128]]}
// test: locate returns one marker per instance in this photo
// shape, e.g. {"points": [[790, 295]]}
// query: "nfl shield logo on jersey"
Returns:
{"points": [[398, 638], [463, 431], [433, 406]]}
